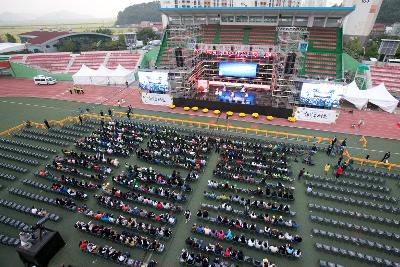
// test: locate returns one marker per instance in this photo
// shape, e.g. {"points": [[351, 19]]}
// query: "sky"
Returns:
{"points": [[94, 8]]}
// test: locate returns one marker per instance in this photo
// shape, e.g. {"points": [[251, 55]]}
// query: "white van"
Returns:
{"points": [[44, 80]]}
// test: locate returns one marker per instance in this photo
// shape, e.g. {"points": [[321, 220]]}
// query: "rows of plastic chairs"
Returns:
{"points": [[349, 191], [19, 159], [23, 152], [84, 184], [65, 132], [357, 241], [324, 263], [279, 207], [354, 214], [356, 255], [78, 128], [41, 139], [363, 177], [14, 223], [70, 170], [366, 204], [65, 191], [124, 238], [9, 241], [356, 227], [49, 134], [374, 172], [260, 217], [66, 204], [27, 210], [7, 176], [12, 167], [27, 145], [367, 186]]}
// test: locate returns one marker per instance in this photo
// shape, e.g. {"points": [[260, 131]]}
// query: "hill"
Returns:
{"points": [[140, 12], [390, 12]]}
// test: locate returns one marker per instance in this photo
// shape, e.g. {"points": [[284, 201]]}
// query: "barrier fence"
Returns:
{"points": [[238, 129]]}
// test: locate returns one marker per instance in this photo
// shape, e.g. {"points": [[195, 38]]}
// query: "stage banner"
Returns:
{"points": [[321, 94], [316, 115], [156, 99], [153, 82]]}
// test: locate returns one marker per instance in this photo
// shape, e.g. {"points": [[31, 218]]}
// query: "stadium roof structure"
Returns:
{"points": [[43, 37], [323, 11]]}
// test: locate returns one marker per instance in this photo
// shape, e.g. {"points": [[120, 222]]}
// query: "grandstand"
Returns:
{"points": [[387, 74], [71, 63]]}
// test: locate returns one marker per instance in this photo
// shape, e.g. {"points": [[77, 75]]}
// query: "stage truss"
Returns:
{"points": [[284, 91]]}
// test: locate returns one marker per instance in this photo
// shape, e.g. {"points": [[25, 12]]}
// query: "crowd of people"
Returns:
{"points": [[115, 138], [125, 237], [141, 199], [135, 174], [112, 254], [92, 165], [168, 147], [135, 211], [62, 179], [96, 158], [280, 193], [70, 192], [74, 171], [229, 235], [131, 223]]}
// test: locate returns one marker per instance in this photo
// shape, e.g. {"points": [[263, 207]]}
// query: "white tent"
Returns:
{"points": [[380, 96], [122, 75], [84, 75], [355, 96], [103, 76], [11, 47]]}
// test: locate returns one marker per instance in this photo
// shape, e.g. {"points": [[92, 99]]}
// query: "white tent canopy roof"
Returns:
{"points": [[11, 47], [355, 96], [103, 76], [380, 96]]}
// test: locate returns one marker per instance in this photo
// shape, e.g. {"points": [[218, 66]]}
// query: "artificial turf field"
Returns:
{"points": [[15, 110]]}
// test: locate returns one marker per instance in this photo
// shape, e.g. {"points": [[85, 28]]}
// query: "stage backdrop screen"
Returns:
{"points": [[321, 95], [238, 69], [153, 82], [237, 97]]}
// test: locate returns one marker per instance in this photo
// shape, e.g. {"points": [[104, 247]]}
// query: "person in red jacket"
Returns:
{"points": [[339, 172]]}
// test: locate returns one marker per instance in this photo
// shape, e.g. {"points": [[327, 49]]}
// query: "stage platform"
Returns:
{"points": [[234, 107]]}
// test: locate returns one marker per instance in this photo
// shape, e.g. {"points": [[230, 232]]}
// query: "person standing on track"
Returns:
{"points": [[187, 215]]}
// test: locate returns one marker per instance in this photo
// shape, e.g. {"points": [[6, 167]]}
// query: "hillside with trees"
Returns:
{"points": [[141, 12], [390, 12]]}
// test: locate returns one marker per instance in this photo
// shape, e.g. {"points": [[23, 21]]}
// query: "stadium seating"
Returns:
{"points": [[320, 65], [55, 62], [123, 58], [91, 60], [323, 38], [262, 35], [389, 75]]}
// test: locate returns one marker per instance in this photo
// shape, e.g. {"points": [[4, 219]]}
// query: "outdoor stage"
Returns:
{"points": [[376, 124]]}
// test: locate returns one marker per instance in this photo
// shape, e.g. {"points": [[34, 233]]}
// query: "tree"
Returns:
{"points": [[354, 46], [372, 50], [10, 38], [67, 46], [104, 31], [141, 12], [146, 35]]}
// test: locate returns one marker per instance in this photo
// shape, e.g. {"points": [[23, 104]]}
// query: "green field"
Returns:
{"points": [[16, 110]]}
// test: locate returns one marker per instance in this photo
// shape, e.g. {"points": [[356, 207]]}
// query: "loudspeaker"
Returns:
{"points": [[289, 66], [179, 57]]}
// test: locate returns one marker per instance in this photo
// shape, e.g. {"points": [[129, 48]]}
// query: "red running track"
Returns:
{"points": [[376, 124]]}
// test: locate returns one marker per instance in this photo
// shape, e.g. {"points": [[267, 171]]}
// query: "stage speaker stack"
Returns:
{"points": [[290, 61], [179, 57]]}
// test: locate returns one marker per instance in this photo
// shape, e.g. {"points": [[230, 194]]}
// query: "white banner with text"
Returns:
{"points": [[156, 99], [316, 115]]}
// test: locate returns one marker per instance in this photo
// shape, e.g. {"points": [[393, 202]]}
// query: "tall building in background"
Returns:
{"points": [[314, 3], [361, 21]]}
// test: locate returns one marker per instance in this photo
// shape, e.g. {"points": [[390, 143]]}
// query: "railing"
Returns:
{"points": [[266, 133]]}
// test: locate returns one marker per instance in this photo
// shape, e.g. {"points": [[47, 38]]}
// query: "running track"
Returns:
{"points": [[377, 124]]}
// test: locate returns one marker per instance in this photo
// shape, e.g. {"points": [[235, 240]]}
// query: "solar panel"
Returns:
{"points": [[389, 47]]}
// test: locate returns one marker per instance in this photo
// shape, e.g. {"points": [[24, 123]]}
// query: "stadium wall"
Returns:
{"points": [[22, 71]]}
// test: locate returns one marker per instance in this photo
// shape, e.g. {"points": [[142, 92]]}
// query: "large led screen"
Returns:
{"points": [[153, 82], [237, 97], [238, 69], [321, 95]]}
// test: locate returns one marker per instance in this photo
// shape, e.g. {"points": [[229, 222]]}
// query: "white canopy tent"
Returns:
{"points": [[103, 76], [380, 96], [355, 96], [11, 47]]}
